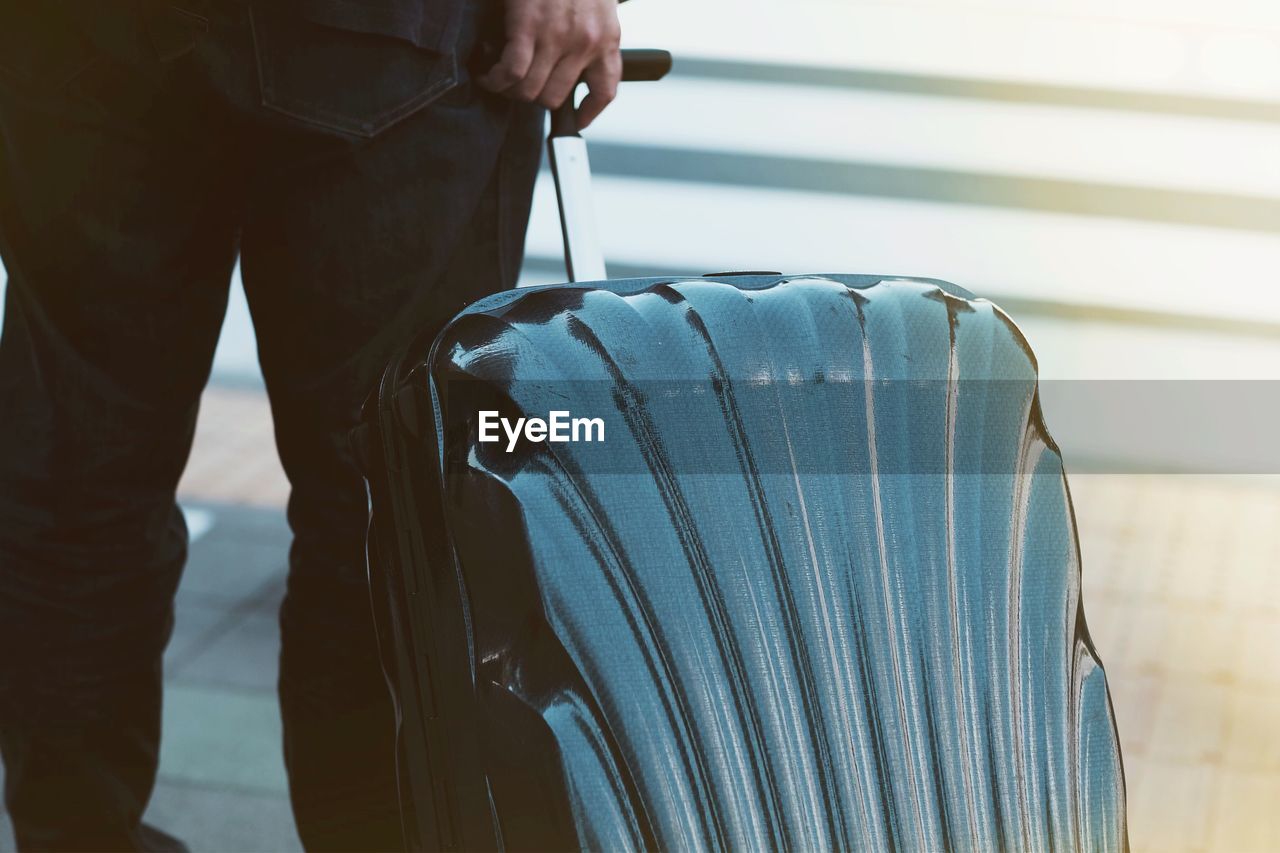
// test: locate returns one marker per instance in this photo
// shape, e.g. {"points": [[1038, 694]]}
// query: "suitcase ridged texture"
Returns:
{"points": [[830, 600]]}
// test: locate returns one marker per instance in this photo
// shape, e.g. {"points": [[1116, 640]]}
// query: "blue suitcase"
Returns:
{"points": [[813, 584]]}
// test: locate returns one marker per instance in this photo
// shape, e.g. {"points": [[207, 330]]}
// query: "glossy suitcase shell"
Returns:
{"points": [[819, 588]]}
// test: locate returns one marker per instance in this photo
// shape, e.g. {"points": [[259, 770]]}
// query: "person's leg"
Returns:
{"points": [[346, 255], [117, 232]]}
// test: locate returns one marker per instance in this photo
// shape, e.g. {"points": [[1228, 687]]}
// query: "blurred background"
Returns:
{"points": [[1108, 172]]}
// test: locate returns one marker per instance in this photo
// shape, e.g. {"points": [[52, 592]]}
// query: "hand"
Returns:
{"points": [[551, 44]]}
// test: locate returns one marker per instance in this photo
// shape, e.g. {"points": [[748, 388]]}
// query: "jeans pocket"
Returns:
{"points": [[352, 83]]}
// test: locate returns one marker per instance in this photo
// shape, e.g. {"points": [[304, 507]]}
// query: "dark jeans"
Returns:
{"points": [[362, 208]]}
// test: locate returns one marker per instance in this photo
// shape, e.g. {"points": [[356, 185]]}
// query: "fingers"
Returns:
{"points": [[527, 66], [550, 44], [513, 66], [602, 80], [534, 84], [560, 85]]}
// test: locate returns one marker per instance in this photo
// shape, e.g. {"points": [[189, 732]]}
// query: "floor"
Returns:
{"points": [[1181, 591], [1182, 595]]}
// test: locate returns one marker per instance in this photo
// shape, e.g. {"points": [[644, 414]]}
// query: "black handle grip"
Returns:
{"points": [[645, 64]]}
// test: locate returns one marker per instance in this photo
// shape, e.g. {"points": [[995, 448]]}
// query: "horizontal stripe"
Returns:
{"points": [[970, 88], [1218, 210], [1207, 50], [1085, 261], [550, 269], [1234, 158]]}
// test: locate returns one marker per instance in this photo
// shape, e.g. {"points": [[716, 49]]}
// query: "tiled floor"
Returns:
{"points": [[1182, 591]]}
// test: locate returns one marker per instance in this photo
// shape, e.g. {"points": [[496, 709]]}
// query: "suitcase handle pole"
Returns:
{"points": [[571, 172]]}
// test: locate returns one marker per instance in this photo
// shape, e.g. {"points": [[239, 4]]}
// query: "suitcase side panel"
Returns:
{"points": [[420, 617]]}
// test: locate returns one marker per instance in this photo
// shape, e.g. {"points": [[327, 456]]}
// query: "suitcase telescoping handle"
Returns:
{"points": [[571, 171]]}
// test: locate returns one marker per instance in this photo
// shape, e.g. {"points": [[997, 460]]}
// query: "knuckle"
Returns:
{"points": [[591, 33], [521, 51]]}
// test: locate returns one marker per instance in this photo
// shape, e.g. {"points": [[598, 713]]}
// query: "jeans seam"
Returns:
{"points": [[503, 217]]}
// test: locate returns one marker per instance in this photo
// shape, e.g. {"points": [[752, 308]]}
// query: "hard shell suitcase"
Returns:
{"points": [[817, 587]]}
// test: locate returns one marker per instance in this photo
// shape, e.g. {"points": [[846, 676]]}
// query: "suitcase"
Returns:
{"points": [[816, 587]]}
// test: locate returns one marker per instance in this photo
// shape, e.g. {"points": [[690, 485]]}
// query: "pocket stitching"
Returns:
{"points": [[331, 120]]}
